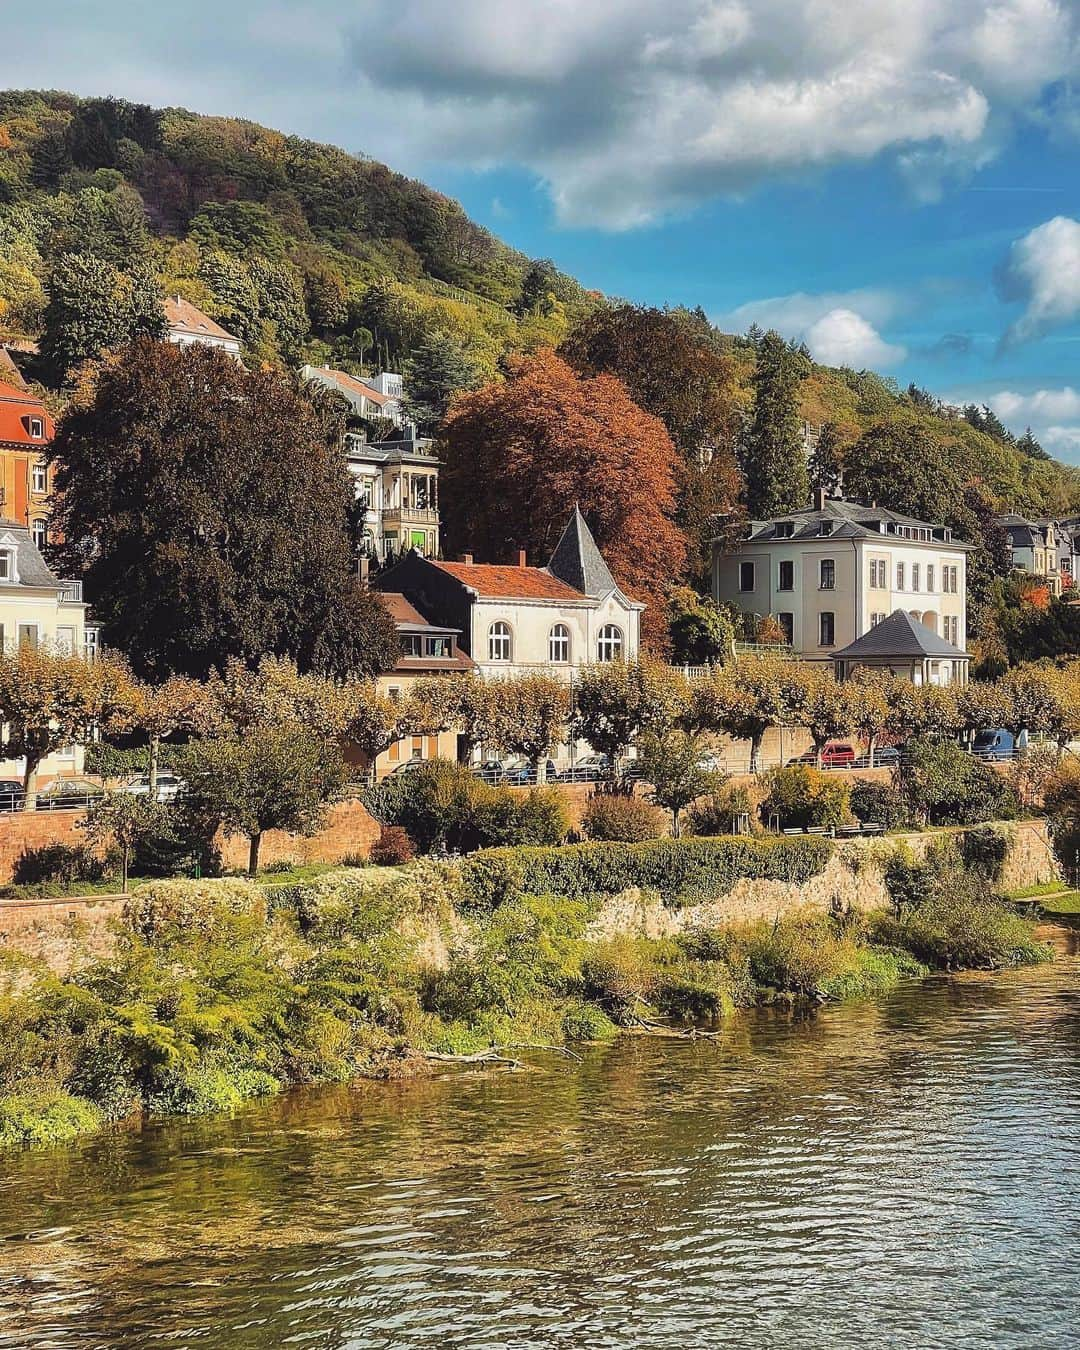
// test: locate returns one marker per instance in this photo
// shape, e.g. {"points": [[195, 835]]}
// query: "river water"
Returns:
{"points": [[902, 1171]]}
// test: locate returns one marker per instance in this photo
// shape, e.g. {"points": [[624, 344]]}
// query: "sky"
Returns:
{"points": [[893, 181]]}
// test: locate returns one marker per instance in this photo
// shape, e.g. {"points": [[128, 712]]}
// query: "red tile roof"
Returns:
{"points": [[510, 583], [16, 410], [355, 386], [184, 317]]}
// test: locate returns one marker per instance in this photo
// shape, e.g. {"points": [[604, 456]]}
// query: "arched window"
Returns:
{"points": [[499, 642], [559, 645], [609, 646], [40, 533]]}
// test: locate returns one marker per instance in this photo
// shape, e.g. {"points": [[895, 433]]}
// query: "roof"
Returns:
{"points": [[407, 617], [188, 319], [510, 583], [899, 635], [10, 370], [351, 385], [30, 566], [578, 561], [849, 520], [16, 409]]}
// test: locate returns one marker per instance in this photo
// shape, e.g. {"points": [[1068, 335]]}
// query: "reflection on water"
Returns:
{"points": [[896, 1172]]}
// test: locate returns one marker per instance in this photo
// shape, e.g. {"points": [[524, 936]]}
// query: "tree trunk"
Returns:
{"points": [[152, 767], [124, 869], [540, 765], [253, 854], [871, 746], [755, 751], [30, 783], [675, 823]]}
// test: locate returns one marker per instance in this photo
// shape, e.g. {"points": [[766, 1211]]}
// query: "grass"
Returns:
{"points": [[58, 890], [1067, 902], [1031, 892]]}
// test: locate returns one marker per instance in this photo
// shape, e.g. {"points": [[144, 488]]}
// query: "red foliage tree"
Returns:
{"points": [[521, 453]]}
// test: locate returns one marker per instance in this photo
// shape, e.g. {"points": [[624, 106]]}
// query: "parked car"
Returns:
{"points": [[710, 762], [887, 756], [11, 794], [834, 755], [520, 772], [69, 794], [591, 769], [169, 786], [996, 743], [490, 770], [407, 766]]}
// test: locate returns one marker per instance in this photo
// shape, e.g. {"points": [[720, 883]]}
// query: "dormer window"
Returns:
{"points": [[37, 429], [785, 529], [40, 533], [825, 527], [8, 570]]}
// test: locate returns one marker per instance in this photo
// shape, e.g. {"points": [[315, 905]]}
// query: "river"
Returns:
{"points": [[901, 1171]]}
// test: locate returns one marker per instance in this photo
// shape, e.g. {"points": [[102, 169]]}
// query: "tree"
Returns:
{"points": [[827, 459], [374, 721], [616, 702], [205, 507], [822, 704], [903, 464], [274, 691], [773, 458], [127, 821], [867, 691], [464, 704], [436, 370], [158, 711], [94, 308], [744, 700], [278, 777], [531, 716], [49, 700], [1032, 706], [520, 454], [701, 633], [671, 762]]}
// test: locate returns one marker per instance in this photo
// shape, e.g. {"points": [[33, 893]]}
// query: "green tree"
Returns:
{"points": [[616, 702], [205, 507], [773, 458], [125, 820], [94, 308], [827, 459], [702, 634], [437, 369], [278, 777], [671, 762], [532, 712]]}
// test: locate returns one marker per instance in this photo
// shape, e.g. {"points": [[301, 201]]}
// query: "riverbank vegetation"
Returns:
{"points": [[219, 991]]}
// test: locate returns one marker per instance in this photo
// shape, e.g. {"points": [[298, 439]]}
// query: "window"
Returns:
{"points": [[39, 533], [915, 578], [499, 642], [827, 574], [746, 576], [559, 645], [610, 643], [437, 646], [825, 527], [785, 529], [39, 478], [952, 579], [37, 429], [787, 623], [786, 579], [65, 641], [411, 644], [930, 577], [28, 635], [826, 628], [875, 619], [90, 645], [878, 577], [7, 565], [899, 576], [952, 629]]}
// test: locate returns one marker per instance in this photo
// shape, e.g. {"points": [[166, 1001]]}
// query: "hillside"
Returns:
{"points": [[308, 253]]}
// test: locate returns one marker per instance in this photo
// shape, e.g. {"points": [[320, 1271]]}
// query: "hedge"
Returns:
{"points": [[684, 871]]}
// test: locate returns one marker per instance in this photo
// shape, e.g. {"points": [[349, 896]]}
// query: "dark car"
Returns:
{"points": [[489, 771], [11, 794], [520, 773], [69, 794], [591, 769], [887, 756]]}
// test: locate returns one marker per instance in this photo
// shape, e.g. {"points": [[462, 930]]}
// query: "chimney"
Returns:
{"points": [[467, 559], [819, 499], [521, 558]]}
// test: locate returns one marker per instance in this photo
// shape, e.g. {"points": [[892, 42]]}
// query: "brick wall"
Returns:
{"points": [[348, 829], [21, 831]]}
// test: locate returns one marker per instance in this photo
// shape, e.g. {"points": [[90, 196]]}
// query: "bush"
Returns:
{"points": [[984, 852], [625, 819], [45, 1116], [392, 848], [944, 785], [804, 797], [199, 1090], [587, 1022], [714, 815], [65, 863], [363, 903], [169, 907], [882, 803], [684, 871], [959, 929]]}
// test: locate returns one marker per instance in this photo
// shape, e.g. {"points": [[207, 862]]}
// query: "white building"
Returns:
{"points": [[830, 573], [1045, 549], [378, 397], [518, 619], [397, 495], [189, 326]]}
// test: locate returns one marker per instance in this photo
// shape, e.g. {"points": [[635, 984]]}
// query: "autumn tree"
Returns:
{"points": [[464, 704], [616, 702], [179, 704], [744, 701], [867, 694], [822, 705], [772, 454], [205, 507], [520, 454], [125, 820], [531, 713]]}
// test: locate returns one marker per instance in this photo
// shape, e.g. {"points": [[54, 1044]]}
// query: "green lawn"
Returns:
{"points": [[57, 890], [1044, 888], [1068, 902]]}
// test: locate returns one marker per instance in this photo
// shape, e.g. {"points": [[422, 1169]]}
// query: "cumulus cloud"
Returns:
{"points": [[1052, 414], [629, 110], [1043, 271], [844, 338], [839, 327]]}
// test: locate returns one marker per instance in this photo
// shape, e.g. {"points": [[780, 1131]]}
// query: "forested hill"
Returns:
{"points": [[311, 254]]}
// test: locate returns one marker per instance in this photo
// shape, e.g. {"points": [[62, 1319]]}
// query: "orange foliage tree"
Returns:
{"points": [[519, 455]]}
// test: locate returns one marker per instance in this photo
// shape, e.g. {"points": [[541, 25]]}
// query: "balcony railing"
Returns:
{"points": [[71, 591], [412, 515]]}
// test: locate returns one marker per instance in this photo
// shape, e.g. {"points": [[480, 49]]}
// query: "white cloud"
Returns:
{"points": [[628, 110], [793, 314], [1052, 414], [1043, 270], [844, 338]]}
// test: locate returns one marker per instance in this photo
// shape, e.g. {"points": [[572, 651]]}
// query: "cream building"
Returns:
{"points": [[190, 327], [832, 572]]}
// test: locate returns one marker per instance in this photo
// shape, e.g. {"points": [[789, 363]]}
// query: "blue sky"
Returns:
{"points": [[894, 181]]}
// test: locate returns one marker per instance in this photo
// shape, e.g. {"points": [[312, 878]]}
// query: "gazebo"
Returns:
{"points": [[906, 647]]}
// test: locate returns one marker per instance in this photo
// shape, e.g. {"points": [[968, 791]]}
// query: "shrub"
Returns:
{"points": [[715, 814], [984, 852], [65, 863], [1061, 797], [804, 797], [165, 907], [392, 848], [45, 1116], [882, 803], [626, 819], [199, 1090], [959, 929], [620, 974], [104, 760], [944, 785], [587, 1022], [684, 871]]}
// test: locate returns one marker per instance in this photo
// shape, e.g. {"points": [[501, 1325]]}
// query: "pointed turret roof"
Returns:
{"points": [[899, 635], [578, 561]]}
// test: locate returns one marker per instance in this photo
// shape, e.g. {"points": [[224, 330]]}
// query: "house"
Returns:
{"points": [[26, 430], [515, 619], [189, 326], [832, 572], [379, 397], [397, 495], [901, 645], [427, 649], [37, 608], [1045, 549]]}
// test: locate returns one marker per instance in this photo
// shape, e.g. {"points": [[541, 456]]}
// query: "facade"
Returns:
{"points": [[397, 495], [189, 326], [36, 607], [903, 646], [427, 649], [378, 397], [830, 573], [26, 430], [1046, 549], [519, 619]]}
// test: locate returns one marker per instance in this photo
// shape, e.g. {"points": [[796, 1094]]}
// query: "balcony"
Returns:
{"points": [[410, 515], [71, 592]]}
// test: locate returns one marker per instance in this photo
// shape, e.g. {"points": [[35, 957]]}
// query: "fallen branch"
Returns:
{"points": [[563, 1050], [480, 1057]]}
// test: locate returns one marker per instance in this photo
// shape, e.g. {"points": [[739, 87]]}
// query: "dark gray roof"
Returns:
{"points": [[578, 561], [848, 520], [31, 567], [1023, 533], [899, 635]]}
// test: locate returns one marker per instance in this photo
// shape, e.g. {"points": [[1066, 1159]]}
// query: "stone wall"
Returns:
{"points": [[349, 830]]}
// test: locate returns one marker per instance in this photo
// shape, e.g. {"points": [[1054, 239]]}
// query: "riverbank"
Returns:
{"points": [[219, 991]]}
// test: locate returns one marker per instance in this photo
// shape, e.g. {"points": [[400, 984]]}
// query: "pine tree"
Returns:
{"points": [[827, 459], [773, 458], [437, 370]]}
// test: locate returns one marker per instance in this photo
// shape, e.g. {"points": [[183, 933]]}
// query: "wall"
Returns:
{"points": [[24, 830], [348, 830]]}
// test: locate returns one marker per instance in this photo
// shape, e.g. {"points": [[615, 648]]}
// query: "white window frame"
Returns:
{"points": [[610, 643], [500, 642], [37, 429], [559, 645], [39, 478], [37, 527], [9, 564]]}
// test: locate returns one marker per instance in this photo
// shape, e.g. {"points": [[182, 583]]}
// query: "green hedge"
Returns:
{"points": [[684, 871]]}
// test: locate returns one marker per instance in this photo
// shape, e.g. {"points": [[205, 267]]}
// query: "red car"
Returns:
{"points": [[834, 755]]}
